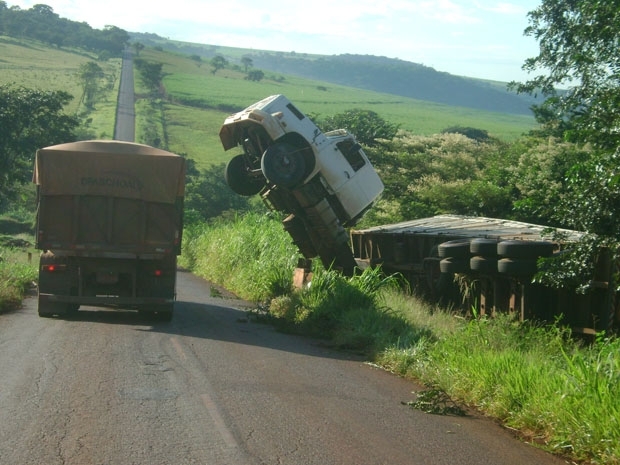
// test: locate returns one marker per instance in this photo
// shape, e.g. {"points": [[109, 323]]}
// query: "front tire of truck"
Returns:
{"points": [[240, 179], [283, 164]]}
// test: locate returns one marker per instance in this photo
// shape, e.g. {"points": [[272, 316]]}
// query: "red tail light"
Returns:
{"points": [[52, 268], [158, 273]]}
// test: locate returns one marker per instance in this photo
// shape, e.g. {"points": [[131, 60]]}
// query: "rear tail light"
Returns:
{"points": [[158, 273], [53, 268]]}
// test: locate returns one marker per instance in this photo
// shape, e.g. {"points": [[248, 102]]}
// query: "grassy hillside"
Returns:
{"points": [[198, 101], [35, 65], [375, 73]]}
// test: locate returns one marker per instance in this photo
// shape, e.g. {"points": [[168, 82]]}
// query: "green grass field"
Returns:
{"points": [[35, 65]]}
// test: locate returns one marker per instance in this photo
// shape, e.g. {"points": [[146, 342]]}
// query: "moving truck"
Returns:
{"points": [[109, 225]]}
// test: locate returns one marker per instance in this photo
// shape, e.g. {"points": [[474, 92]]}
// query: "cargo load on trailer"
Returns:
{"points": [[109, 225]]}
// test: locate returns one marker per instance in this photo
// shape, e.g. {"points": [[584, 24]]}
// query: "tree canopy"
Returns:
{"points": [[580, 52], [29, 119], [41, 23], [579, 62]]}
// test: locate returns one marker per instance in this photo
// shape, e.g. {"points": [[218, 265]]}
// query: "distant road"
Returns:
{"points": [[125, 129]]}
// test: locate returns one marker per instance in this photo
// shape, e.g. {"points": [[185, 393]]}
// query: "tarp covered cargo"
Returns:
{"points": [[110, 168]]}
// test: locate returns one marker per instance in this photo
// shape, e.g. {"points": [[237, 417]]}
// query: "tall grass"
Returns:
{"points": [[251, 256], [536, 380], [17, 275]]}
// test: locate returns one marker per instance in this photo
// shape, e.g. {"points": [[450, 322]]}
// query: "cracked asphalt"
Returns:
{"points": [[214, 387]]}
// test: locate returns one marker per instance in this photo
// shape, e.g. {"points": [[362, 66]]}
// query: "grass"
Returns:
{"points": [[256, 262], [546, 387], [34, 65], [17, 275]]}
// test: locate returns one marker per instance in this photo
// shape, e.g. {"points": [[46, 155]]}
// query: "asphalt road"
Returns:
{"points": [[214, 387], [124, 128]]}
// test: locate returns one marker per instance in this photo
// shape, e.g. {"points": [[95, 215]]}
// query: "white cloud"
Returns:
{"points": [[447, 34]]}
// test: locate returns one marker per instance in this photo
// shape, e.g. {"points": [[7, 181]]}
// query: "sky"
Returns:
{"points": [[480, 38]]}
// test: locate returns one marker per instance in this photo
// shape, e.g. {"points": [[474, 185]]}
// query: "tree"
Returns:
{"points": [[578, 49], [150, 73], [208, 196], [29, 119], [218, 62], [366, 125], [137, 47], [89, 74], [247, 62], [255, 75]]}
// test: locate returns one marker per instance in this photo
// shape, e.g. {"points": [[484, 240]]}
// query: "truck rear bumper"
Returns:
{"points": [[105, 301]]}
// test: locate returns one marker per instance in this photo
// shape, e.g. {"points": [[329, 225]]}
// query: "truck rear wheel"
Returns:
{"points": [[48, 309], [283, 164]]}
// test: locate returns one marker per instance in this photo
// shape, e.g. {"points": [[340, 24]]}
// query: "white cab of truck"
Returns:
{"points": [[324, 181]]}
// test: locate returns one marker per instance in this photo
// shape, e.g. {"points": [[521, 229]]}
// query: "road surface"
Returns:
{"points": [[125, 127], [214, 387]]}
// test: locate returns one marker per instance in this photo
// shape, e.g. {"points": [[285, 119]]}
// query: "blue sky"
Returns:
{"points": [[480, 38]]}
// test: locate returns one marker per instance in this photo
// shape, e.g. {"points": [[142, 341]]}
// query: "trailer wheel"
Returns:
{"points": [[525, 249], [484, 247], [454, 265], [458, 248], [283, 165], [485, 265], [238, 177], [517, 267]]}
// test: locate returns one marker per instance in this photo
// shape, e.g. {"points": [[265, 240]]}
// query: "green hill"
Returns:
{"points": [[379, 74]]}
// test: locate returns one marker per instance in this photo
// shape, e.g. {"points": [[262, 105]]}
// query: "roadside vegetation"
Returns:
{"points": [[549, 389]]}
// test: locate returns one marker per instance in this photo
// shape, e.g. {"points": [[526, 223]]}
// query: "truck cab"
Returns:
{"points": [[324, 181]]}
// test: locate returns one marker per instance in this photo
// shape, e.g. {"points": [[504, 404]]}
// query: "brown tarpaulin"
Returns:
{"points": [[110, 168]]}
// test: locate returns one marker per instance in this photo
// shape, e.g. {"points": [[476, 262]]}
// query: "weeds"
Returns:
{"points": [[16, 277]]}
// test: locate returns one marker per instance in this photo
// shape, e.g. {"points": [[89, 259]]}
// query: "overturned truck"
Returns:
{"points": [[323, 181], [109, 225]]}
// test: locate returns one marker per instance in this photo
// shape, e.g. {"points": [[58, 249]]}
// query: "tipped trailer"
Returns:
{"points": [[109, 225], [324, 182], [497, 258]]}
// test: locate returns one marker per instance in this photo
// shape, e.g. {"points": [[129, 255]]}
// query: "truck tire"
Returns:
{"points": [[458, 248], [47, 309], [483, 247], [239, 178], [485, 265], [283, 165], [517, 267], [525, 249], [454, 265]]}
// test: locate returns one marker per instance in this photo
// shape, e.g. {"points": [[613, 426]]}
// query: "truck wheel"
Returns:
{"points": [[486, 265], [48, 309], [283, 165], [164, 312], [517, 267], [239, 178], [458, 248], [454, 265], [525, 249], [483, 247]]}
